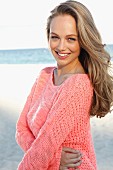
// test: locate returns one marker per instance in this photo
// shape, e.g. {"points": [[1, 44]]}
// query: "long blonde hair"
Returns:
{"points": [[93, 57]]}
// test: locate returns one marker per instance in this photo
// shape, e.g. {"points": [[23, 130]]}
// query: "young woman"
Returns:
{"points": [[56, 116]]}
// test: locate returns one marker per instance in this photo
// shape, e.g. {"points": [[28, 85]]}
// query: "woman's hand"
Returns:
{"points": [[70, 158]]}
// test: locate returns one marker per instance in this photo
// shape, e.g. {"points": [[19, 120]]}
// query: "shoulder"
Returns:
{"points": [[47, 70], [44, 75], [79, 84], [83, 85], [79, 80], [82, 80]]}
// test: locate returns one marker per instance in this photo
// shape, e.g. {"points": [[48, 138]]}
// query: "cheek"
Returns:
{"points": [[75, 48], [52, 45]]}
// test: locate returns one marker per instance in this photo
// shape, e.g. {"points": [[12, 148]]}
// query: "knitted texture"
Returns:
{"points": [[54, 117]]}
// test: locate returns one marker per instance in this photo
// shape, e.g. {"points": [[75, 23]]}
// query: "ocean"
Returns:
{"points": [[26, 56], [33, 56]]}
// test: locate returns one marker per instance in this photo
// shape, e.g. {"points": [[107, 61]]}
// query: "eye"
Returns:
{"points": [[54, 37], [72, 39]]}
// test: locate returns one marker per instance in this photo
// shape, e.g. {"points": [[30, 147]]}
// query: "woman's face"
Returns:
{"points": [[63, 40]]}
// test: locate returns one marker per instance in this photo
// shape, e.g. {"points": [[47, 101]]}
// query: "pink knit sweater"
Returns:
{"points": [[53, 117]]}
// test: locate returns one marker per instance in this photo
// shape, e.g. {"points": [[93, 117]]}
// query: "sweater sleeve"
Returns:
{"points": [[70, 108], [24, 135]]}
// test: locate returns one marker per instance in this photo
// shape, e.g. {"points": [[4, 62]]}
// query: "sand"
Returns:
{"points": [[15, 84]]}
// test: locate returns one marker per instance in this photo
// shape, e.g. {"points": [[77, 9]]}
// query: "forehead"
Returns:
{"points": [[65, 23]]}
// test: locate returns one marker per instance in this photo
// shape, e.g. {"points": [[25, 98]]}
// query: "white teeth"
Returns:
{"points": [[62, 55]]}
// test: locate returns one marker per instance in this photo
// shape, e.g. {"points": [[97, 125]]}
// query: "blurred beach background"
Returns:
{"points": [[18, 71]]}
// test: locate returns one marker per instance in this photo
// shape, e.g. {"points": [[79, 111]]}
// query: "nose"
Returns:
{"points": [[61, 45]]}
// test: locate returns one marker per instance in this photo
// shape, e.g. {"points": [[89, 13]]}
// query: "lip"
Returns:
{"points": [[62, 57]]}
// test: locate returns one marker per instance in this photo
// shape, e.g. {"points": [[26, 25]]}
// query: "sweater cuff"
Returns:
{"points": [[55, 164], [58, 157]]}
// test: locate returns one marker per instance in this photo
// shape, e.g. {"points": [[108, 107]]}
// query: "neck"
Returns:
{"points": [[68, 69]]}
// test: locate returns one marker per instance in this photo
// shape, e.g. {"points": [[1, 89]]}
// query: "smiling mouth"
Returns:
{"points": [[62, 54]]}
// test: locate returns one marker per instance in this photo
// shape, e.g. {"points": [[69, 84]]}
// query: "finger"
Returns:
{"points": [[66, 149], [73, 156], [63, 168], [74, 165], [74, 160]]}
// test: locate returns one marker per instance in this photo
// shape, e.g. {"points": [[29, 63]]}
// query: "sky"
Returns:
{"points": [[23, 22]]}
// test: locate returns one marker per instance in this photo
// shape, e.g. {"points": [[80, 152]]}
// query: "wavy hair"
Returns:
{"points": [[93, 56]]}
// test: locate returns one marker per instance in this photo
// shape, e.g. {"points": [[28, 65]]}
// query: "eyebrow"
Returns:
{"points": [[66, 35]]}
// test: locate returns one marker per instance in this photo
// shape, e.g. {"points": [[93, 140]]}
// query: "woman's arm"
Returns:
{"points": [[24, 136], [68, 112]]}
